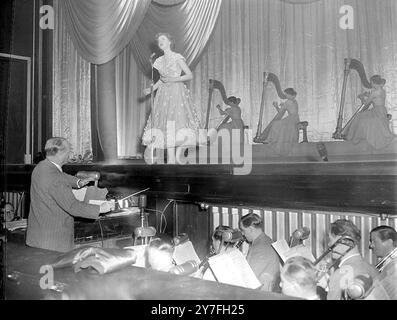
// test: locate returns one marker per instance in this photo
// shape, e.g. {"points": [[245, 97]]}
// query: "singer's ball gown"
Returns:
{"points": [[174, 120]]}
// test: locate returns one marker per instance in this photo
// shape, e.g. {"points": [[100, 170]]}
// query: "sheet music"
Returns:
{"points": [[285, 252], [185, 252], [232, 268], [140, 253], [79, 193]]}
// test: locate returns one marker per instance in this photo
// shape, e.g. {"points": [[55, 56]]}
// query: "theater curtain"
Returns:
{"points": [[71, 90], [100, 29], [300, 41], [303, 44], [191, 24]]}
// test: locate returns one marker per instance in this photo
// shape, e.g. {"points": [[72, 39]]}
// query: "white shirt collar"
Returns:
{"points": [[57, 165]]}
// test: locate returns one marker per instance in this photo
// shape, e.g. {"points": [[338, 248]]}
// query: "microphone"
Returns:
{"points": [[322, 151], [360, 286], [186, 268], [142, 201], [232, 236]]}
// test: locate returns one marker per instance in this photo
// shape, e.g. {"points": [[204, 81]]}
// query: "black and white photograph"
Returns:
{"points": [[198, 155]]}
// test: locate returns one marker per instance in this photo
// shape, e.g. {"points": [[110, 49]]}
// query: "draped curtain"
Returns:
{"points": [[101, 29], [298, 40], [302, 43], [71, 90], [191, 24], [305, 47]]}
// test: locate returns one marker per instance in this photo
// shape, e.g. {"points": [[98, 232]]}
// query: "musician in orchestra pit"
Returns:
{"points": [[234, 112], [384, 244], [217, 246], [261, 256], [159, 253], [372, 124], [351, 264], [285, 131], [299, 279]]}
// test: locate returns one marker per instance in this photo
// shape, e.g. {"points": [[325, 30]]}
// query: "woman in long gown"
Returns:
{"points": [[372, 125], [284, 133], [174, 121]]}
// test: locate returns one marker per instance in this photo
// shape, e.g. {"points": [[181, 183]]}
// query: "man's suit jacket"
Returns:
{"points": [[345, 274], [264, 261], [52, 207]]}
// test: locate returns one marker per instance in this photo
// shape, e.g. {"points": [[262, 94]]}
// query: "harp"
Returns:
{"points": [[261, 136], [358, 66], [212, 120]]}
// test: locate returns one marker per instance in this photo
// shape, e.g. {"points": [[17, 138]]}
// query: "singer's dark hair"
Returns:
{"points": [[344, 227], [301, 271], [386, 233], [251, 219], [219, 230], [168, 36]]}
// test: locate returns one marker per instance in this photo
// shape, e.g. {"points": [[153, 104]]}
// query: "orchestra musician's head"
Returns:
{"points": [[165, 41], [58, 150], [383, 240], [377, 81], [348, 230], [299, 278], [251, 226], [159, 253], [290, 93], [218, 245]]}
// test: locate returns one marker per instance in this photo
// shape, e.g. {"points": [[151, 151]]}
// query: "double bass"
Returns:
{"points": [[350, 64], [261, 136]]}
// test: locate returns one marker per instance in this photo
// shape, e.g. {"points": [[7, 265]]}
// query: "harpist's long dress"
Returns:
{"points": [[284, 133], [173, 110], [372, 126]]}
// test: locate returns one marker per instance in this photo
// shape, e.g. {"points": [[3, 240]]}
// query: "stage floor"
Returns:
{"points": [[336, 151]]}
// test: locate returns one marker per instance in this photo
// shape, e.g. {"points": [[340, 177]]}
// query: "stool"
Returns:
{"points": [[303, 126]]}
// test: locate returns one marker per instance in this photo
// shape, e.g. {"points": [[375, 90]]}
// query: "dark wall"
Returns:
{"points": [[22, 36]]}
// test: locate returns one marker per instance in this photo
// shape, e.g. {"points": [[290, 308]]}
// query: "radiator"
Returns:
{"points": [[17, 199], [280, 223]]}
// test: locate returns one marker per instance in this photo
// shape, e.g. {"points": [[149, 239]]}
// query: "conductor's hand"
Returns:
{"points": [[147, 91], [84, 182], [218, 107], [105, 207], [275, 104]]}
